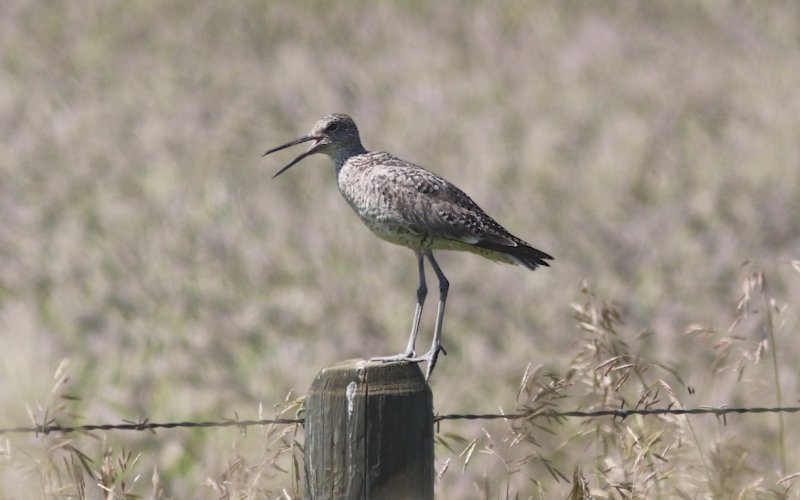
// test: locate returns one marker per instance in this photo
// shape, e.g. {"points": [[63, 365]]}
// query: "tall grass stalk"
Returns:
{"points": [[769, 303]]}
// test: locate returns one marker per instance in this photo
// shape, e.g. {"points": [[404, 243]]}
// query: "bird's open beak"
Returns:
{"points": [[313, 149]]}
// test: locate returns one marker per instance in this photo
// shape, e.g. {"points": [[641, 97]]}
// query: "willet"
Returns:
{"points": [[410, 206]]}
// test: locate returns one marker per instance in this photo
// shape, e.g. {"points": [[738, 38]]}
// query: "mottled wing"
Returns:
{"points": [[436, 208]]}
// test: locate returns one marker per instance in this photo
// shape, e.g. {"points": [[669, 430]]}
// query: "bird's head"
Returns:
{"points": [[335, 135]]}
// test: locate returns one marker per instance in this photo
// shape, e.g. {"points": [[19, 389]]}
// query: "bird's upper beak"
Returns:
{"points": [[313, 149]]}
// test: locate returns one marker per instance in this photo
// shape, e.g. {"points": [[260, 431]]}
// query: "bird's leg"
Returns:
{"points": [[422, 292], [444, 285]]}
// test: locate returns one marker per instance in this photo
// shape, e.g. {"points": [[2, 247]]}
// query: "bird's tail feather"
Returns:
{"points": [[522, 253]]}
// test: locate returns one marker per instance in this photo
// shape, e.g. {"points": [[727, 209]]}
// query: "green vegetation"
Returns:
{"points": [[651, 147]]}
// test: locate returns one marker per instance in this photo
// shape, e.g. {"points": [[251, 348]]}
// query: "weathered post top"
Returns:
{"points": [[369, 432]]}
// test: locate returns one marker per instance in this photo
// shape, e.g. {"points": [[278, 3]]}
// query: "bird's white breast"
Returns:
{"points": [[365, 188]]}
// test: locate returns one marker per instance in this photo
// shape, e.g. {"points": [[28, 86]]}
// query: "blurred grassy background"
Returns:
{"points": [[650, 147]]}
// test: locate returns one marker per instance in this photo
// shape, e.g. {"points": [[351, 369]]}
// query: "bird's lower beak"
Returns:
{"points": [[313, 149]]}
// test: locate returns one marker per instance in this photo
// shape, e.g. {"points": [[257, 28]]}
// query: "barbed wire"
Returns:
{"points": [[620, 413], [146, 426], [529, 414]]}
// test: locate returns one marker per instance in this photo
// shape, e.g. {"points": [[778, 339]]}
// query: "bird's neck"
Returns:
{"points": [[342, 154]]}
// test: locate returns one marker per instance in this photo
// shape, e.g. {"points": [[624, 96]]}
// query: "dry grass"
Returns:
{"points": [[652, 148]]}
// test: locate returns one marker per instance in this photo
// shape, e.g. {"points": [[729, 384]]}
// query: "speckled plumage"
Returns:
{"points": [[410, 206], [407, 205]]}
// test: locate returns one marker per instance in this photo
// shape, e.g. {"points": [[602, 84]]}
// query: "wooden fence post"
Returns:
{"points": [[369, 433]]}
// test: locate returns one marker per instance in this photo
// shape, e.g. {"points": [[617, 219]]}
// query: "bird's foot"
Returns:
{"points": [[409, 356], [431, 357]]}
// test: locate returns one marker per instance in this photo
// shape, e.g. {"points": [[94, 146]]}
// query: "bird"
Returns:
{"points": [[408, 205]]}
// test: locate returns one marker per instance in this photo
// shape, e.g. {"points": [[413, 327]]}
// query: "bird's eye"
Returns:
{"points": [[331, 127]]}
